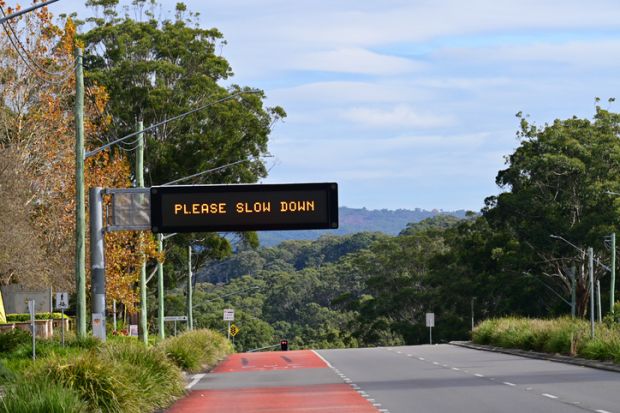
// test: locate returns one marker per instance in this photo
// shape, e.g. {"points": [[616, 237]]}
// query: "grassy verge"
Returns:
{"points": [[121, 375], [563, 335]]}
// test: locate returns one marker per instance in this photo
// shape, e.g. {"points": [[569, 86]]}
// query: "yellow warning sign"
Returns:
{"points": [[234, 330]]}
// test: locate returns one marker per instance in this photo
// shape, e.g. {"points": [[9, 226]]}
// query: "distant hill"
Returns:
{"points": [[354, 220]]}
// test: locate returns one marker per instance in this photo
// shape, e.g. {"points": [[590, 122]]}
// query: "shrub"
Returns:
{"points": [[6, 374], [196, 350], [10, 340], [562, 335], [40, 396], [23, 317], [157, 381], [98, 381]]}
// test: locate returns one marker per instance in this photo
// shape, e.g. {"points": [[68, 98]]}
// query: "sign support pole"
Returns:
{"points": [[430, 333], [62, 327], [229, 330], [190, 317], [97, 262]]}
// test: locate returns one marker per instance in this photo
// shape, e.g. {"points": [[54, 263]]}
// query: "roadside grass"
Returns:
{"points": [[562, 335], [196, 350], [121, 375]]}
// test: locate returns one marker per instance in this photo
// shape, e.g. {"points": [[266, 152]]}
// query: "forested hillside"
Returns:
{"points": [[353, 220]]}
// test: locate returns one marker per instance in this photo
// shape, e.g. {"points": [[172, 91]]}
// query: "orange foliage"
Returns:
{"points": [[42, 126]]}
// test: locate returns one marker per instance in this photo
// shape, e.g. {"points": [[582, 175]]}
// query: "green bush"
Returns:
{"points": [[563, 335], [98, 381], [10, 340], [6, 375], [23, 317], [40, 396], [196, 350], [156, 380]]}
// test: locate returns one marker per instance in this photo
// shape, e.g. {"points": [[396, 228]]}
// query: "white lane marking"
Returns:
{"points": [[196, 379], [409, 355], [399, 352], [507, 383], [421, 358], [377, 404], [384, 410], [551, 396], [371, 400], [478, 375], [602, 411], [445, 365], [325, 361], [435, 363], [456, 369], [528, 388]]}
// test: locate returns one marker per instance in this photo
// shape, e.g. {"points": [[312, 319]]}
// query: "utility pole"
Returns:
{"points": [[612, 288], [573, 292], [591, 272], [140, 184], [599, 310], [160, 288], [190, 318], [80, 210], [472, 313]]}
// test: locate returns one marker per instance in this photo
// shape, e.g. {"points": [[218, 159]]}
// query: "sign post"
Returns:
{"points": [[175, 318], [229, 315], [33, 326], [62, 303], [430, 323]]}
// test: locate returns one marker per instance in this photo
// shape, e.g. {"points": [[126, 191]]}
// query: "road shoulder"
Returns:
{"points": [[558, 358]]}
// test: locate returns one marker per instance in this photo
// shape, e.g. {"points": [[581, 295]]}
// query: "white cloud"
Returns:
{"points": [[355, 60], [396, 117], [586, 54]]}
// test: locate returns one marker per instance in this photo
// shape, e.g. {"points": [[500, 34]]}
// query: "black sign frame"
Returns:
{"points": [[159, 225]]}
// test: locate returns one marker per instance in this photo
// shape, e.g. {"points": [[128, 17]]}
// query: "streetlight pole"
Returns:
{"points": [[591, 273], [612, 288]]}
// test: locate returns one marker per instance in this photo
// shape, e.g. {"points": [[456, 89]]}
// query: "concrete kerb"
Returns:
{"points": [[558, 358]]}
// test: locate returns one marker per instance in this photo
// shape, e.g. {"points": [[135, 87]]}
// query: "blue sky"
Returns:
{"points": [[411, 103]]}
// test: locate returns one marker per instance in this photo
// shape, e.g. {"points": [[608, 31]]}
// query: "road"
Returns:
{"points": [[435, 379], [447, 378]]}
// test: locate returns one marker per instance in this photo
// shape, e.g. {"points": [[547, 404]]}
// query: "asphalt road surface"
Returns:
{"points": [[447, 378]]}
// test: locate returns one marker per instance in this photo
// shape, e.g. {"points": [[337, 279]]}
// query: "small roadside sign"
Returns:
{"points": [[229, 314], [62, 300], [175, 318], [234, 330], [430, 319], [133, 330]]}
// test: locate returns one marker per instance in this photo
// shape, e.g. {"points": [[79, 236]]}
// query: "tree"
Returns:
{"points": [[556, 183], [155, 70]]}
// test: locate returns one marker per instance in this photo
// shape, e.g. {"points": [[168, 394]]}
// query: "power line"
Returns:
{"points": [[28, 60]]}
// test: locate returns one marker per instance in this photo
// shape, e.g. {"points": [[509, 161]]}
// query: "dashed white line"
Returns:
{"points": [[602, 411], [551, 396], [435, 363], [456, 369], [478, 375], [421, 358], [507, 383]]}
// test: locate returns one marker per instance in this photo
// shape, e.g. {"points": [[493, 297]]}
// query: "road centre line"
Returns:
{"points": [[507, 383]]}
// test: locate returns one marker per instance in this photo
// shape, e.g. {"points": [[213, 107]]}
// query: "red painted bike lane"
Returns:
{"points": [[279, 382]]}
